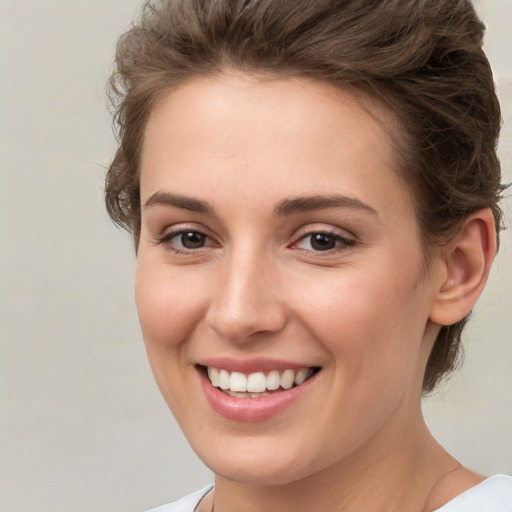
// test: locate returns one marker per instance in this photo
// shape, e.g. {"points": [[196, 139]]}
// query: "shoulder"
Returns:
{"points": [[494, 494], [186, 504]]}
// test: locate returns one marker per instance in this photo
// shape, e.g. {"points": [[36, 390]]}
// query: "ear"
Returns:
{"points": [[465, 265]]}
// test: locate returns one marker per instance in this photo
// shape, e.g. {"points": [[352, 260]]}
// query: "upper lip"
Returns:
{"points": [[247, 366]]}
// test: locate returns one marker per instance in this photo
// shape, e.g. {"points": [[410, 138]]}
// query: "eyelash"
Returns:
{"points": [[340, 243], [344, 243], [166, 240]]}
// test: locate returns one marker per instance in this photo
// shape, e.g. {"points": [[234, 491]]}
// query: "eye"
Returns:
{"points": [[321, 242], [184, 240], [189, 239]]}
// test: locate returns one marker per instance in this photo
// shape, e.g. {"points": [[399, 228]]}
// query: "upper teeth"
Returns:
{"points": [[257, 382]]}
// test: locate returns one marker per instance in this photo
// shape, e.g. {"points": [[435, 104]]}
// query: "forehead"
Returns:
{"points": [[274, 136], [247, 100]]}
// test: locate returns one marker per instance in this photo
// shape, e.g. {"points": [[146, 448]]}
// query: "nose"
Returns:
{"points": [[247, 304]]}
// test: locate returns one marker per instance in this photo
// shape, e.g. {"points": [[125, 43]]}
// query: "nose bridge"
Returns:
{"points": [[246, 300]]}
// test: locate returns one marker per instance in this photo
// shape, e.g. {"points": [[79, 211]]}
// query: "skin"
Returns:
{"points": [[364, 311]]}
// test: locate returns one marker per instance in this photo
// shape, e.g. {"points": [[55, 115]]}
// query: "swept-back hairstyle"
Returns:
{"points": [[422, 59]]}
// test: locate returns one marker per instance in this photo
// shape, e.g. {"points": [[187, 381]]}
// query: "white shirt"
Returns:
{"points": [[492, 495]]}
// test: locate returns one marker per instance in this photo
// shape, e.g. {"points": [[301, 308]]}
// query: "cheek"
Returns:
{"points": [[169, 304], [169, 308], [373, 328], [371, 321]]}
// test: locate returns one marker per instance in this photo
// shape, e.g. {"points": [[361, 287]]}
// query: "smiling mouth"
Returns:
{"points": [[257, 384]]}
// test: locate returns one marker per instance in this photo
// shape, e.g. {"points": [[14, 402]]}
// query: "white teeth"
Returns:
{"points": [[238, 382], [256, 385], [273, 380], [287, 379], [213, 375], [223, 379], [237, 394], [301, 376], [256, 382]]}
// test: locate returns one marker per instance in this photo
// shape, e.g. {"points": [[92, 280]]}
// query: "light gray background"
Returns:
{"points": [[82, 425]]}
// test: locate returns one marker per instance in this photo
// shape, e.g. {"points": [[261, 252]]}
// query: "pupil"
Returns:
{"points": [[321, 242], [192, 240]]}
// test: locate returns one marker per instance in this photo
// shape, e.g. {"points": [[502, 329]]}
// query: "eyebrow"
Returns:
{"points": [[285, 207], [183, 202], [310, 203]]}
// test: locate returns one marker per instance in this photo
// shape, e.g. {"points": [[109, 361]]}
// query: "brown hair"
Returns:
{"points": [[421, 58]]}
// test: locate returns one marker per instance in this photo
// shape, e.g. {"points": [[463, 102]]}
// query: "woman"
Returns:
{"points": [[313, 192]]}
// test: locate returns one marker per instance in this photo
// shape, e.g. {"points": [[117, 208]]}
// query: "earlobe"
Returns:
{"points": [[466, 263]]}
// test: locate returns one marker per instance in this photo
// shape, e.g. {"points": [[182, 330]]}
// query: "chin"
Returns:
{"points": [[258, 474], [258, 464]]}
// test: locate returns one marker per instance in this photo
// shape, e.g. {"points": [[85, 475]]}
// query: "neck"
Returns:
{"points": [[396, 467]]}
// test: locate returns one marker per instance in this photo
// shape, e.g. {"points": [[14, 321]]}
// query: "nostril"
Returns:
{"points": [[247, 329]]}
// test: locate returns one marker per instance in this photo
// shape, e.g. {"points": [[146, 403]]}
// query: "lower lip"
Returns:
{"points": [[251, 409]]}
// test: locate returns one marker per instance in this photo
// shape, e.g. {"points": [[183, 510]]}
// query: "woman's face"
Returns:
{"points": [[278, 245]]}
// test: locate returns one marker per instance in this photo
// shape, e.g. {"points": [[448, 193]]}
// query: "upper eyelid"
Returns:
{"points": [[169, 232], [172, 234], [329, 232], [335, 231], [345, 239], [180, 227]]}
